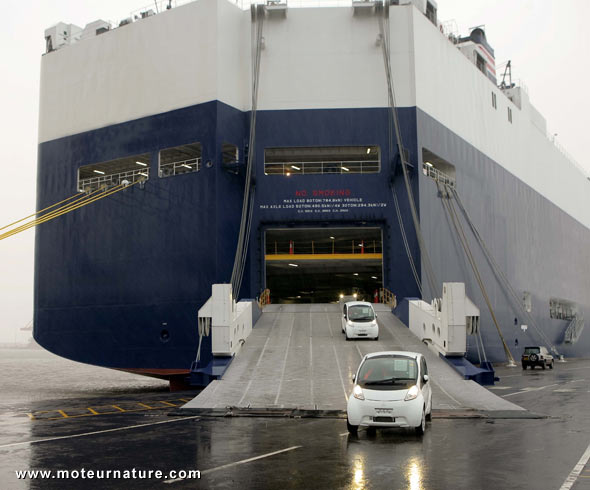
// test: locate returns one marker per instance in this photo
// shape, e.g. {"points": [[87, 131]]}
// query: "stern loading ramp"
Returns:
{"points": [[297, 358]]}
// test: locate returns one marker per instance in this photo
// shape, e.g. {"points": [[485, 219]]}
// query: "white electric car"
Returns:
{"points": [[391, 390], [359, 320]]}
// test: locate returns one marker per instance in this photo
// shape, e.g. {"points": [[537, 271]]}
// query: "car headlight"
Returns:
{"points": [[412, 393], [357, 392]]}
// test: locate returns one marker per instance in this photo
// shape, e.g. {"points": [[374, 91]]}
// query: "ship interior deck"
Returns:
{"points": [[317, 265]]}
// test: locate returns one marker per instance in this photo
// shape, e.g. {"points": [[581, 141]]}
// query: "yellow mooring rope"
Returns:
{"points": [[67, 205]]}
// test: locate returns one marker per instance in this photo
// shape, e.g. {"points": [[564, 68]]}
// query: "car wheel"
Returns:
{"points": [[352, 429], [371, 431], [347, 337], [422, 427], [543, 365], [551, 365], [376, 338], [523, 365]]}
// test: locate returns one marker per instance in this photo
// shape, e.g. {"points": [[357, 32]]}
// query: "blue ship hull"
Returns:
{"points": [[111, 277]]}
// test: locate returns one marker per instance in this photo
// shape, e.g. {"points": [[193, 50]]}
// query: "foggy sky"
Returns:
{"points": [[546, 41]]}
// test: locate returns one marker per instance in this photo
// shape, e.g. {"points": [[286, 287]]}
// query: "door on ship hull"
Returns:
{"points": [[317, 265]]}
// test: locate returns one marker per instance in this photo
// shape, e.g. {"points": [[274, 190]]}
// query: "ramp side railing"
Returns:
{"points": [[264, 298], [387, 297]]}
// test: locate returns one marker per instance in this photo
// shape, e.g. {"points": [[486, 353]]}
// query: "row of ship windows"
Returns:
{"points": [[285, 161], [495, 106]]}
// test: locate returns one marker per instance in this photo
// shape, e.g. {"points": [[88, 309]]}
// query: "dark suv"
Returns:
{"points": [[536, 356]]}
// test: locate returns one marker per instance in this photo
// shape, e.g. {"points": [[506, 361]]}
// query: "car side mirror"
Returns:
{"points": [[353, 378], [425, 378]]}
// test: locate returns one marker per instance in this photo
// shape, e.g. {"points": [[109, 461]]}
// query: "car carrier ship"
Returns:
{"points": [[314, 152]]}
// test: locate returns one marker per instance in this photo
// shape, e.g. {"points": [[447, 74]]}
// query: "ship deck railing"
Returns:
{"points": [[439, 176], [110, 180]]}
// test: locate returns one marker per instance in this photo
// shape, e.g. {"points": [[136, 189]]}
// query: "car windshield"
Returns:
{"points": [[531, 350], [388, 373], [361, 313]]}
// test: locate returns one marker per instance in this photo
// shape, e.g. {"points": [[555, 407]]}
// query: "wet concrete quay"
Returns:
{"points": [[261, 452]]}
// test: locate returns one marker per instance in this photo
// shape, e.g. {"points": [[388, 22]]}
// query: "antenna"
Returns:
{"points": [[507, 71]]}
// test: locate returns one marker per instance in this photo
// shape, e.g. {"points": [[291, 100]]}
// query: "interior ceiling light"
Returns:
{"points": [[145, 175], [142, 164], [293, 265], [373, 277], [355, 274], [99, 172], [288, 174], [429, 164], [186, 166], [346, 169], [331, 238], [295, 167], [368, 150]]}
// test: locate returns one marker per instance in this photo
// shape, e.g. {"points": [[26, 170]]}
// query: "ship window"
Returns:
{"points": [[180, 160], [509, 115], [431, 12], [494, 102], [322, 160], [437, 168], [108, 174], [229, 153], [527, 301], [561, 309], [480, 63]]}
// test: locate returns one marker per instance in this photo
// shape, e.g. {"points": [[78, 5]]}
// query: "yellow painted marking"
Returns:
{"points": [[168, 403], [296, 257], [98, 410]]}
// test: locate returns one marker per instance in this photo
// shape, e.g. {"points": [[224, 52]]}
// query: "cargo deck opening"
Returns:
{"points": [[317, 265]]}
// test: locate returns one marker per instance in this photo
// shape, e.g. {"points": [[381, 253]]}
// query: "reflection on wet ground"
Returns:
{"points": [[279, 452]]}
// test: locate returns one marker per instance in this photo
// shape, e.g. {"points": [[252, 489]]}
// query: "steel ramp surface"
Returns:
{"points": [[297, 358]]}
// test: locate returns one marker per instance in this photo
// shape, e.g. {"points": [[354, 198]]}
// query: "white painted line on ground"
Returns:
{"points": [[274, 322], [336, 357], [285, 362], [575, 473], [359, 351], [530, 389], [243, 461], [310, 368], [340, 373], [447, 393], [98, 432]]}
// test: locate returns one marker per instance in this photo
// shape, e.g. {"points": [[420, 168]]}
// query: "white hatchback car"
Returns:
{"points": [[391, 390], [359, 320]]}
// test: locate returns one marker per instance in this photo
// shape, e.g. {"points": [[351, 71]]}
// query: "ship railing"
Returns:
{"points": [[313, 247], [566, 154], [574, 329], [387, 297], [156, 6], [264, 298], [439, 176], [106, 181], [328, 167], [180, 167]]}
